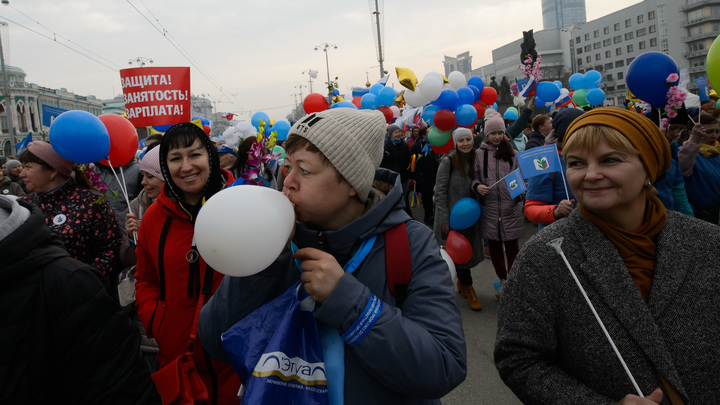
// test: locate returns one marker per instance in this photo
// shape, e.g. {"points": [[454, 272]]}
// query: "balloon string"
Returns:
{"points": [[123, 188]]}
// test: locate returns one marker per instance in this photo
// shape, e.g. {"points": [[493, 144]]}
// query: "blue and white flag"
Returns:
{"points": [[702, 83], [515, 183], [540, 160], [22, 145]]}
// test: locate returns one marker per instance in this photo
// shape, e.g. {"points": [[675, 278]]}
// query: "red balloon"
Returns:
{"points": [[488, 95], [458, 247], [387, 112], [356, 102], [441, 150], [123, 140], [315, 102], [444, 120], [480, 107], [207, 129]]}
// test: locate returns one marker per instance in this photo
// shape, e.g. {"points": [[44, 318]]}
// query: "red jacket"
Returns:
{"points": [[169, 321]]}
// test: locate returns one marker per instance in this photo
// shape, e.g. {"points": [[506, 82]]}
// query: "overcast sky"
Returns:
{"points": [[251, 54]]}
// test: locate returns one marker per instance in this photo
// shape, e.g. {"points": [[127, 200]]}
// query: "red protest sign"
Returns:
{"points": [[156, 95]]}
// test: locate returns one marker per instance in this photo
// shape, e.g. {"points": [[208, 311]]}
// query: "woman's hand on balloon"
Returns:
{"points": [[654, 398], [131, 224], [563, 208], [320, 272]]}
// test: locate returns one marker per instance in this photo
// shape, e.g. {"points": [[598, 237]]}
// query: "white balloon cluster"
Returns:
{"points": [[429, 89]]}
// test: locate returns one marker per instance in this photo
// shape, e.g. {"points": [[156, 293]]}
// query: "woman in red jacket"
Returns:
{"points": [[169, 270]]}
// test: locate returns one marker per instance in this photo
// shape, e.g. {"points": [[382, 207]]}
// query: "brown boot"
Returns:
{"points": [[467, 291]]}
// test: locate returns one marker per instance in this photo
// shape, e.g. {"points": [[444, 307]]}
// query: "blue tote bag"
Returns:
{"points": [[277, 353]]}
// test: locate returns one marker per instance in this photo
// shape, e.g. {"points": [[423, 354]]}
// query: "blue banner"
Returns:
{"points": [[540, 160], [515, 183], [702, 83], [22, 145], [49, 113]]}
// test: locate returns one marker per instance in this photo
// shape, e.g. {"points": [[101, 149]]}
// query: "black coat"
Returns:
{"points": [[397, 159], [534, 140], [62, 338], [426, 167]]}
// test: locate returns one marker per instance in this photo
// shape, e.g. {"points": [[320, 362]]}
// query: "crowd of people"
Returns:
{"points": [[619, 273]]}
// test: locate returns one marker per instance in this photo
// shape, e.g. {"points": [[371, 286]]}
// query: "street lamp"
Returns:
{"points": [[141, 61], [325, 46], [312, 74], [571, 29], [9, 105]]}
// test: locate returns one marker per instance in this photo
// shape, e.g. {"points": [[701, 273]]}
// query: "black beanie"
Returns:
{"points": [[562, 121]]}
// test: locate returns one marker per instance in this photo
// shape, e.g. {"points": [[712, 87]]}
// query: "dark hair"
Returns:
{"points": [[28, 157], [423, 132], [505, 151], [456, 161], [238, 167], [539, 121], [154, 138], [295, 143]]}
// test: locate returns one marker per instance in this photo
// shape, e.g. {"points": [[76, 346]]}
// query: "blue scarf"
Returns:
{"points": [[333, 346], [396, 142]]}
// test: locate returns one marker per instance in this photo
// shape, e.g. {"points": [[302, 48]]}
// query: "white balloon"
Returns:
{"points": [[234, 239], [435, 75], [415, 98], [451, 265], [431, 87], [395, 110], [457, 80]]}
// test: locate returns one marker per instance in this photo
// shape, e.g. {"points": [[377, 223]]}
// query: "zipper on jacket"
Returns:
{"points": [[321, 240]]}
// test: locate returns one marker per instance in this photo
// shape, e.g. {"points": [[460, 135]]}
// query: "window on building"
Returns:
{"points": [[608, 54], [609, 66], [579, 61], [596, 34], [641, 32], [587, 36], [630, 48], [606, 30], [620, 75], [651, 29], [629, 60], [588, 48], [579, 51], [619, 63], [577, 40], [609, 77], [616, 27], [597, 56], [618, 51], [596, 45], [640, 18], [607, 42], [617, 39], [628, 22], [653, 41], [629, 36], [651, 15], [599, 68], [621, 87], [588, 59], [641, 45]]}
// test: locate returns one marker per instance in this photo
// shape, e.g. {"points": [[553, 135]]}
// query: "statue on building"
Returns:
{"points": [[494, 84], [528, 47], [504, 95]]}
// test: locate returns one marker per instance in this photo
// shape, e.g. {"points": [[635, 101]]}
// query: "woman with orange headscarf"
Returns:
{"points": [[645, 271]]}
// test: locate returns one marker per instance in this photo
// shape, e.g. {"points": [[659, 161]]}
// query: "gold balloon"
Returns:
{"points": [[407, 78], [445, 80]]}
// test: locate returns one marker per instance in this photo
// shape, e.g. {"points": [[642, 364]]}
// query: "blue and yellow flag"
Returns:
{"points": [[540, 160]]}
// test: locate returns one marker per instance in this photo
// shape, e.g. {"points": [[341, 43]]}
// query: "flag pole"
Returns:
{"points": [[562, 174], [556, 244]]}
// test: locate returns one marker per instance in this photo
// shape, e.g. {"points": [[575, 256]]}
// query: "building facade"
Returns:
{"points": [[32, 105], [682, 29], [461, 63], [559, 14]]}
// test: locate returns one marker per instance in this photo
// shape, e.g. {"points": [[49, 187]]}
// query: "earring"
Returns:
{"points": [[649, 185], [52, 178]]}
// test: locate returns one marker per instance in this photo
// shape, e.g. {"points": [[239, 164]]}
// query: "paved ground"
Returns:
{"points": [[483, 384]]}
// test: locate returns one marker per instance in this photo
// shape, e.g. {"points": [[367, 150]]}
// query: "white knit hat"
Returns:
{"points": [[460, 132], [352, 140], [150, 163]]}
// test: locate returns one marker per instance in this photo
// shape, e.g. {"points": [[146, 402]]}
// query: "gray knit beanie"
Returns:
{"points": [[11, 163], [459, 133], [352, 140]]}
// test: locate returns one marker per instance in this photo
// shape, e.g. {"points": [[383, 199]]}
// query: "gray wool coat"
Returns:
{"points": [[551, 350], [450, 187], [502, 217]]}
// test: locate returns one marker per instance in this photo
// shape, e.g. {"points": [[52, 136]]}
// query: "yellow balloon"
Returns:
{"points": [[445, 80], [712, 63], [407, 78]]}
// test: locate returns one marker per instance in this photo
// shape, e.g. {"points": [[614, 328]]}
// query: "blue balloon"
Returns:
{"points": [[577, 81], [464, 214], [282, 128], [495, 106], [595, 96], [539, 102], [646, 77], [448, 100], [465, 115], [510, 115], [547, 91], [429, 113], [369, 102], [465, 95], [336, 92], [592, 79], [376, 88], [344, 104], [558, 83], [80, 137], [387, 96], [476, 92], [476, 81], [205, 121], [162, 128], [255, 120]]}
